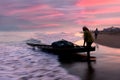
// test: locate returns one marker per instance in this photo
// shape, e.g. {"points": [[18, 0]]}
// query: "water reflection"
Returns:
{"points": [[90, 72], [96, 45], [72, 58], [101, 68]]}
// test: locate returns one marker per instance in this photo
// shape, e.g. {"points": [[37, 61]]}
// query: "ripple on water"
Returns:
{"points": [[20, 63]]}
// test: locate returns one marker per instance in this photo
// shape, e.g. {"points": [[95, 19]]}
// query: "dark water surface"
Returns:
{"points": [[106, 65]]}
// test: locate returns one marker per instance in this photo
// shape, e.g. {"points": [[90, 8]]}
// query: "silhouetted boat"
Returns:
{"points": [[61, 46]]}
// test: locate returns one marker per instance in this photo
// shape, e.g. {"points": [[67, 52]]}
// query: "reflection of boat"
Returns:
{"points": [[61, 46]]}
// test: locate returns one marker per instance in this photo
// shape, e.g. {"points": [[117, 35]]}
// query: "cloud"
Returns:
{"points": [[101, 10], [89, 3], [108, 21], [39, 14]]}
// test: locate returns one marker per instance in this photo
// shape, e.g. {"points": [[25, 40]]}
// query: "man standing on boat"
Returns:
{"points": [[88, 38]]}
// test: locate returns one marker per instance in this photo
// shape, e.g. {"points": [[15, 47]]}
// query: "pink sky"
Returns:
{"points": [[64, 14]]}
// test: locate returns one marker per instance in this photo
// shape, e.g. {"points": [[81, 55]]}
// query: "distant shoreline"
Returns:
{"points": [[109, 39]]}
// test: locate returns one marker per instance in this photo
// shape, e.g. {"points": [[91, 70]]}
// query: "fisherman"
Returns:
{"points": [[96, 32], [88, 39]]}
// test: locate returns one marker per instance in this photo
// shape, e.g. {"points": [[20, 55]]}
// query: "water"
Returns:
{"points": [[19, 62], [105, 67]]}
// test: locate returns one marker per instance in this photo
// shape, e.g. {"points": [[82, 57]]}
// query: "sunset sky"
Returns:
{"points": [[58, 14]]}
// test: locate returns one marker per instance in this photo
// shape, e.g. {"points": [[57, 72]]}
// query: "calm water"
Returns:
{"points": [[20, 62], [105, 67]]}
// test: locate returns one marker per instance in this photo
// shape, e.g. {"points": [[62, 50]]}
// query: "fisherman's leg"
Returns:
{"points": [[96, 36], [88, 50]]}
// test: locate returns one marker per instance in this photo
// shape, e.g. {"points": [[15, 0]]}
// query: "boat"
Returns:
{"points": [[60, 47]]}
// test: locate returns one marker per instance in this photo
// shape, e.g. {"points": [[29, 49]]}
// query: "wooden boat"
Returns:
{"points": [[66, 51], [61, 49]]}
